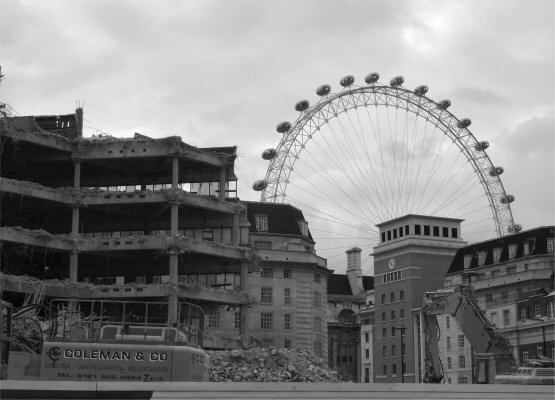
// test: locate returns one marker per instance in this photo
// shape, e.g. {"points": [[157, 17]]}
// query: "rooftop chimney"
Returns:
{"points": [[354, 270]]}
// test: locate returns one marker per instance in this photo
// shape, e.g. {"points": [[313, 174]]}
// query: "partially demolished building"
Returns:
{"points": [[103, 217]]}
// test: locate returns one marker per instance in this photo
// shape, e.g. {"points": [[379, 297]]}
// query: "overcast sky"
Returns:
{"points": [[224, 73]]}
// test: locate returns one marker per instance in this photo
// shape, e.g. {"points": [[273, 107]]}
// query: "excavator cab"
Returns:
{"points": [[489, 365]]}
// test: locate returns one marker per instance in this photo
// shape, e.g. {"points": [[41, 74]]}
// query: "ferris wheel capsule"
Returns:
{"points": [[302, 105], [464, 123], [514, 228], [481, 146], [444, 104], [347, 80], [507, 199], [372, 78], [421, 90], [269, 154], [260, 185], [283, 127], [496, 171], [397, 81], [323, 90]]}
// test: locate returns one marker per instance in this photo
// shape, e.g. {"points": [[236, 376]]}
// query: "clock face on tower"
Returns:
{"points": [[391, 263]]}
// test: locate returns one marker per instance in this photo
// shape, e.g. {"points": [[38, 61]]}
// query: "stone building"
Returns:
{"points": [[289, 288], [412, 257], [347, 296], [512, 278], [104, 217]]}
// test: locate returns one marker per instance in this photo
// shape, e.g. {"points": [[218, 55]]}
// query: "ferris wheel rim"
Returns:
{"points": [[289, 148]]}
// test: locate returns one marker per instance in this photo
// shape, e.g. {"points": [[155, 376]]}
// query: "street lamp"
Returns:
{"points": [[402, 329]]}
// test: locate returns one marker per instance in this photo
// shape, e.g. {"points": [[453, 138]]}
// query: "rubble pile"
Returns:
{"points": [[269, 365]]}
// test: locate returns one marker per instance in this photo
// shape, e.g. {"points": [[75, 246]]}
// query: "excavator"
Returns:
{"points": [[494, 360], [102, 340]]}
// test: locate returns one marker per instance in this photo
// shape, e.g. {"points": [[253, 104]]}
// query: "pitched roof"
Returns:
{"points": [[339, 284], [282, 218], [536, 238]]}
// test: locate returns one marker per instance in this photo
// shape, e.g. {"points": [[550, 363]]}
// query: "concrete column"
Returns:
{"points": [[73, 266], [235, 232], [175, 172], [244, 307], [222, 182], [74, 256], [172, 298]]}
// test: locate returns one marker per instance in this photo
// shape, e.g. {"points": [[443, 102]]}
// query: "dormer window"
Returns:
{"points": [[482, 258], [261, 222], [303, 226], [467, 259], [496, 254], [512, 251]]}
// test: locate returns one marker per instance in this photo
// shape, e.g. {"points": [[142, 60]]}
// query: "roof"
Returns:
{"points": [[537, 239], [339, 284], [282, 218]]}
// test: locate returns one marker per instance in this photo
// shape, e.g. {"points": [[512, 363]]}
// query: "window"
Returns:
{"points": [[383, 298], [445, 231], [466, 261], [447, 322], [512, 251], [383, 236], [141, 279], [402, 295], [366, 375], [287, 296], [388, 235], [489, 296], [493, 317], [317, 299], [237, 320], [506, 318], [402, 313], [262, 245], [537, 309], [267, 342], [417, 229], [384, 351], [265, 321], [287, 322], [526, 248], [482, 257], [448, 362], [287, 344], [367, 353], [550, 309], [406, 230], [393, 350], [367, 337], [550, 244], [462, 362], [392, 297], [287, 273], [317, 278], [267, 273], [496, 254], [436, 230], [461, 341], [511, 270], [448, 342], [463, 379], [426, 230], [317, 324], [401, 232], [261, 222], [395, 233], [303, 226], [385, 369], [394, 369], [208, 234], [384, 332], [384, 317], [392, 331], [523, 314], [392, 315], [214, 319], [539, 349], [454, 233], [266, 295]]}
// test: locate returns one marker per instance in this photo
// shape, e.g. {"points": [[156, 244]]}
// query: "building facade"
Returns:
{"points": [[289, 288], [111, 218], [512, 279], [412, 257]]}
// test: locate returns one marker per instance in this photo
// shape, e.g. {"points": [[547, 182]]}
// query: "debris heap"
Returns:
{"points": [[269, 365]]}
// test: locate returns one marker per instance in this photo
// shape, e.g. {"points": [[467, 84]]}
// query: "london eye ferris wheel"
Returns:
{"points": [[370, 153]]}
